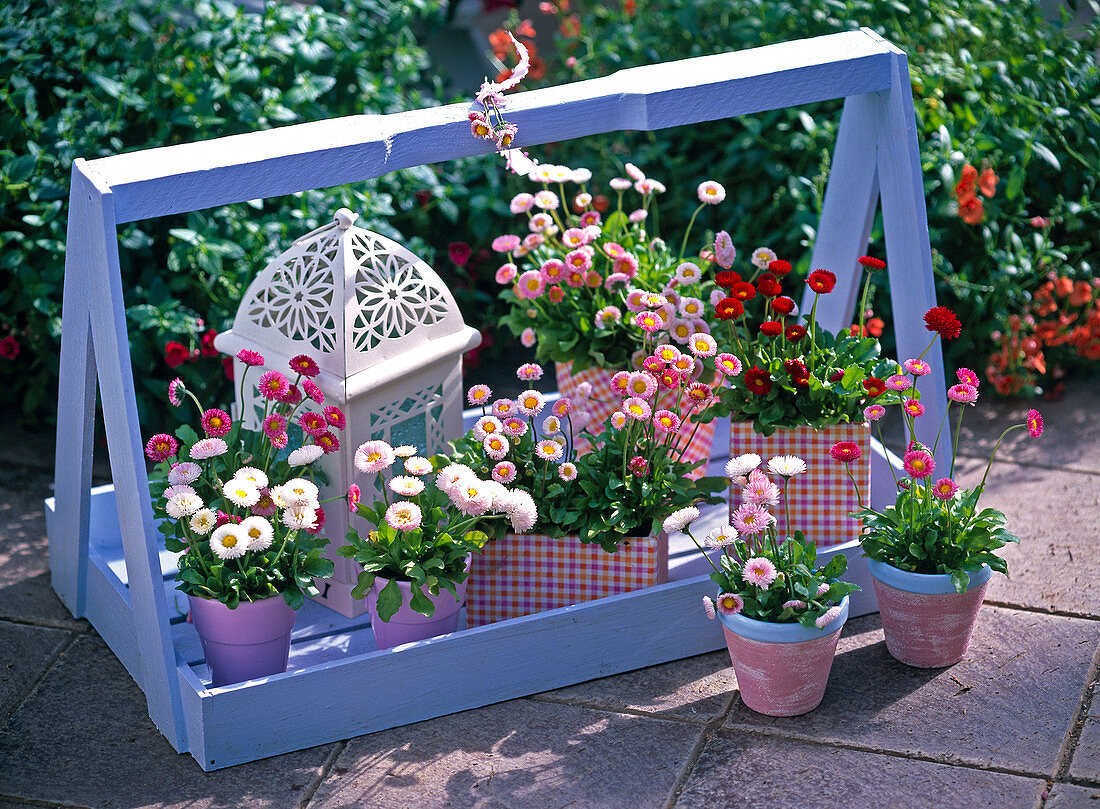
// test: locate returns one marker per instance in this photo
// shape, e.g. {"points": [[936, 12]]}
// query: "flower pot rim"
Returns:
{"points": [[768, 632], [924, 583], [242, 602], [821, 429]]}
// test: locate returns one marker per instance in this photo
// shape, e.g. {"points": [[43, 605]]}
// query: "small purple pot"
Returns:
{"points": [[782, 669], [250, 641], [926, 623], [408, 625]]}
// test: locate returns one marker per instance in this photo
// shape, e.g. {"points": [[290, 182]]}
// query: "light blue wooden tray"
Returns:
{"points": [[106, 558]]}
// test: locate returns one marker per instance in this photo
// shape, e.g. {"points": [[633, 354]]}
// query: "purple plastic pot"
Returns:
{"points": [[782, 669], [926, 623], [250, 641], [407, 625]]}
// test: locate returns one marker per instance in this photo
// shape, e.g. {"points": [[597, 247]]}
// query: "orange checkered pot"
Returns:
{"points": [[521, 574], [604, 402], [822, 498]]}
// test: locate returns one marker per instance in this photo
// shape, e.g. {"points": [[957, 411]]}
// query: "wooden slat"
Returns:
{"points": [[905, 222], [76, 398], [112, 614], [851, 199], [272, 163], [484, 665], [135, 514]]}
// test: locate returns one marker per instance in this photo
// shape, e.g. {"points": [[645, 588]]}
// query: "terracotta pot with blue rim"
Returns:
{"points": [[782, 669], [927, 623]]}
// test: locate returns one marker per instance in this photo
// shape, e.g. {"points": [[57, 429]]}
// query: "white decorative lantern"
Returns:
{"points": [[388, 338]]}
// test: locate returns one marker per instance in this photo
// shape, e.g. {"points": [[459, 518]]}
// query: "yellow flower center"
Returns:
{"points": [[229, 541], [374, 456]]}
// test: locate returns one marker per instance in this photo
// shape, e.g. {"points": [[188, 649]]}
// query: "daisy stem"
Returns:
{"points": [[997, 446], [191, 396], [244, 375], [893, 472], [787, 505], [928, 348], [279, 553], [863, 302], [859, 495], [813, 332], [702, 550], [955, 444], [690, 439], [683, 245], [939, 432]]}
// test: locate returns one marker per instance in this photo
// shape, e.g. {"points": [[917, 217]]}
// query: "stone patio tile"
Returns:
{"points": [[27, 652], [85, 738], [1086, 757], [1008, 703], [518, 754], [751, 771], [1055, 566], [699, 688], [1069, 796], [1070, 436], [25, 593]]}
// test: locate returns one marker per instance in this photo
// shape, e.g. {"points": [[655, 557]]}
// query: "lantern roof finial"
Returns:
{"points": [[344, 218]]}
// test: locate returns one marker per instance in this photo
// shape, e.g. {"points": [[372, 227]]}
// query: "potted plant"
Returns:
{"points": [[933, 552], [416, 557], [587, 268], [802, 389], [781, 615], [597, 530], [241, 507]]}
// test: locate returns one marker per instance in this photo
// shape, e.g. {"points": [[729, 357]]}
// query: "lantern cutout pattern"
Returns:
{"points": [[388, 338]]}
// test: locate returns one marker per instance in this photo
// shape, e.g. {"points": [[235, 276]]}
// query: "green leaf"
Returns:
{"points": [[363, 585], [420, 602], [389, 600], [960, 580]]}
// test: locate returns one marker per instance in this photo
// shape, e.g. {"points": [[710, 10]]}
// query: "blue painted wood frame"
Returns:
{"points": [[135, 617]]}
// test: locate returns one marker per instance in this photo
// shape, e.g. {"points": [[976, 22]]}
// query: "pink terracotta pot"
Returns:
{"points": [[782, 669], [926, 623], [408, 625], [252, 640]]}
